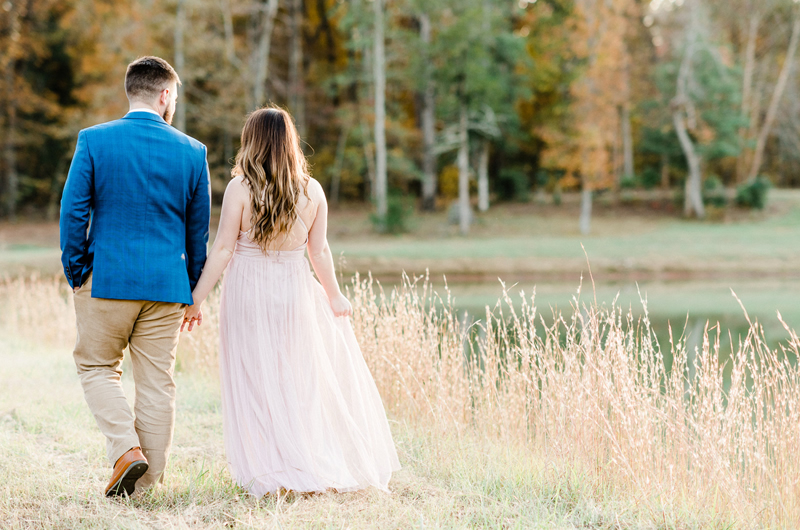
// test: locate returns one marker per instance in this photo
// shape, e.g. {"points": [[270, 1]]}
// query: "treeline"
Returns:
{"points": [[457, 102]]}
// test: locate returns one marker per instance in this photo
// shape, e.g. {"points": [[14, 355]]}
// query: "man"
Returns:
{"points": [[134, 229]]}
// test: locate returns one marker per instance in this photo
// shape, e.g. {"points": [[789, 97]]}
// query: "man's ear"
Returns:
{"points": [[164, 96]]}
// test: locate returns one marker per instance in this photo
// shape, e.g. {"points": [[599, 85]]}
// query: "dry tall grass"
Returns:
{"points": [[592, 391]]}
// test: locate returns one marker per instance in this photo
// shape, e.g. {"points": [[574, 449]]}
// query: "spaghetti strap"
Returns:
{"points": [[304, 243], [300, 218]]}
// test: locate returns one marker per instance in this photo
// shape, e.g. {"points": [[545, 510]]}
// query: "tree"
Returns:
{"points": [[262, 24], [180, 61], [763, 84], [428, 118], [777, 94], [683, 110], [10, 58], [379, 72], [36, 99], [579, 145], [703, 97], [296, 81], [560, 94], [475, 56]]}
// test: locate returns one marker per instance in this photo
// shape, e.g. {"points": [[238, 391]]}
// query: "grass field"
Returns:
{"points": [[53, 470], [534, 240], [586, 429]]}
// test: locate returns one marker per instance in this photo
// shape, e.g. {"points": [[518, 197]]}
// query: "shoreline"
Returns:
{"points": [[43, 261]]}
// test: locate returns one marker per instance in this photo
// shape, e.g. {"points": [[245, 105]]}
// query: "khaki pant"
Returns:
{"points": [[150, 329]]}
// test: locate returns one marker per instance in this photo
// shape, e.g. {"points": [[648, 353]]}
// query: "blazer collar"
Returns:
{"points": [[143, 116]]}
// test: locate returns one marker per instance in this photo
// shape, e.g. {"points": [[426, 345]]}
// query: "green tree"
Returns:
{"points": [[475, 57], [701, 95]]}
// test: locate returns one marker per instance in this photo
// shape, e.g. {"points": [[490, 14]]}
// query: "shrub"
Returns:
{"points": [[448, 182], [557, 196], [513, 185], [651, 178], [629, 182], [714, 192], [753, 194], [399, 209]]}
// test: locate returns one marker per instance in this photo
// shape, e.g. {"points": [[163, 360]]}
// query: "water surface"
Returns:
{"points": [[685, 306]]}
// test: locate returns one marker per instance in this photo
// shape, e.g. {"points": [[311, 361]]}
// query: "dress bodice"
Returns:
{"points": [[246, 247]]}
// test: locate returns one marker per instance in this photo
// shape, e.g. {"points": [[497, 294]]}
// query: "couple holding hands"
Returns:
{"points": [[301, 411]]}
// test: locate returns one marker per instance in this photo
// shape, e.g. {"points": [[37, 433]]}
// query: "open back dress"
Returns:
{"points": [[301, 411]]}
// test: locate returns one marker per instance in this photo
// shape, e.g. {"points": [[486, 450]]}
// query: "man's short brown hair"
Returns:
{"points": [[147, 77]]}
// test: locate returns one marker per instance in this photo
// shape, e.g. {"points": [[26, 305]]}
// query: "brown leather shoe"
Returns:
{"points": [[127, 470]]}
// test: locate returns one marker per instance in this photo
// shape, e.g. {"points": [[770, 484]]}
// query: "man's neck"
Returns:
{"points": [[143, 106]]}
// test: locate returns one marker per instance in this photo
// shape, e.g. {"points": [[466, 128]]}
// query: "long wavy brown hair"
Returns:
{"points": [[273, 166]]}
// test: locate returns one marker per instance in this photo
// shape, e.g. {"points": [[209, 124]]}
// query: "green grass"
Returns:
{"points": [[53, 470], [522, 231], [527, 239]]}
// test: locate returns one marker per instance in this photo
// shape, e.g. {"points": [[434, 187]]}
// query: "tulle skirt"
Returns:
{"points": [[301, 410]]}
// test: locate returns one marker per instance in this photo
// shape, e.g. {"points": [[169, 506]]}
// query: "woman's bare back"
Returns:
{"points": [[298, 234]]}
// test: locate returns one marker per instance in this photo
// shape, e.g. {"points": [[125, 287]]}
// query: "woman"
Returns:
{"points": [[300, 409]]}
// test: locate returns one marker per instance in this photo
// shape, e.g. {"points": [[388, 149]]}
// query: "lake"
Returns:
{"points": [[680, 304]]}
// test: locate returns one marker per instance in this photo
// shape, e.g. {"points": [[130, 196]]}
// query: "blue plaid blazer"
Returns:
{"points": [[135, 211]]}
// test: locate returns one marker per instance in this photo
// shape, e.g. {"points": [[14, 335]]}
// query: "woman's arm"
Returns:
{"points": [[221, 253], [319, 252]]}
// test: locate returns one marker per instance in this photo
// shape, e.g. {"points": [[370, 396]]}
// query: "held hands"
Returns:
{"points": [[192, 316], [341, 306]]}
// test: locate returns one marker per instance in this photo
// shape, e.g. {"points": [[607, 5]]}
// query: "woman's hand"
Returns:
{"points": [[193, 315], [341, 306]]}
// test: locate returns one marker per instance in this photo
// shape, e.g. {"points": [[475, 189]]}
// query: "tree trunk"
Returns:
{"points": [[9, 145], [10, 150], [483, 176], [429, 183], [180, 64], [463, 172], [747, 90], [260, 56], [365, 92], [617, 167], [338, 164], [56, 187], [586, 207], [379, 72], [369, 159], [682, 107], [693, 203], [664, 172], [227, 145], [777, 94], [627, 142], [227, 24], [296, 78]]}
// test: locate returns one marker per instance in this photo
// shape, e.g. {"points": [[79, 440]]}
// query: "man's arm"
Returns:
{"points": [[198, 217], [76, 210]]}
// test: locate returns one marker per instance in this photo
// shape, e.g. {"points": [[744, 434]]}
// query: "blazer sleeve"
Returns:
{"points": [[198, 217], [77, 202]]}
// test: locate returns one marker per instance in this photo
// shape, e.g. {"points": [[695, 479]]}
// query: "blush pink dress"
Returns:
{"points": [[300, 409]]}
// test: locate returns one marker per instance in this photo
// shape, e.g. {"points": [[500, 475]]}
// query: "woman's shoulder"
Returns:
{"points": [[237, 187], [315, 191]]}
